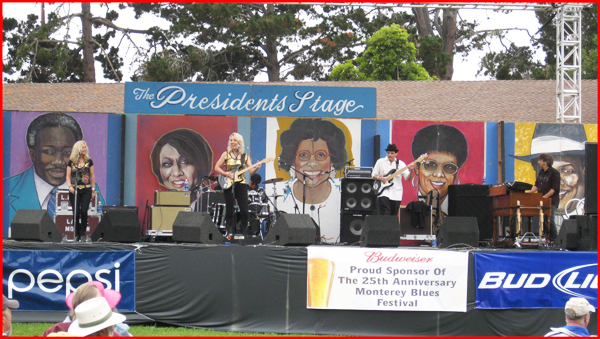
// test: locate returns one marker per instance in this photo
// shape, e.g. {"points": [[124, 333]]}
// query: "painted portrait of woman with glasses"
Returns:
{"points": [[447, 151]]}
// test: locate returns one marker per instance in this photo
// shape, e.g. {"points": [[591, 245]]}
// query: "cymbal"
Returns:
{"points": [[272, 181]]}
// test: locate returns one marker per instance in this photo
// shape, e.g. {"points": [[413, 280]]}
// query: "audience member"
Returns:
{"points": [[577, 315], [95, 318], [7, 306]]}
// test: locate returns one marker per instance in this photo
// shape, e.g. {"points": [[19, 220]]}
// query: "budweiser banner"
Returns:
{"points": [[387, 279]]}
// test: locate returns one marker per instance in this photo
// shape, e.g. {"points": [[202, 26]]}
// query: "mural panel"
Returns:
{"points": [[172, 149], [455, 156], [40, 149], [566, 143], [312, 154]]}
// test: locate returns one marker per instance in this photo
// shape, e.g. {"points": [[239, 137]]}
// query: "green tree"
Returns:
{"points": [[40, 53], [389, 55], [284, 40]]}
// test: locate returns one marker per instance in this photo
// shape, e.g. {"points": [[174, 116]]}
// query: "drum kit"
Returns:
{"points": [[261, 216]]}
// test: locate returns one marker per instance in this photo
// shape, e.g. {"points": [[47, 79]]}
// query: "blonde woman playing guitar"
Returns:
{"points": [[235, 161]]}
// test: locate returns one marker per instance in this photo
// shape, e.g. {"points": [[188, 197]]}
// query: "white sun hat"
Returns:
{"points": [[94, 315]]}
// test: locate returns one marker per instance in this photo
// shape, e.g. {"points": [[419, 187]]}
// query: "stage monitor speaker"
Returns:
{"points": [[471, 200], [568, 237], [591, 179], [118, 225], [380, 231], [196, 227], [34, 225], [351, 226], [587, 226], [458, 230], [357, 196], [292, 229]]}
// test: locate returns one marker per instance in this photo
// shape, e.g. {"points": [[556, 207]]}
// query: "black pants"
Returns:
{"points": [[388, 207], [84, 196], [237, 192]]}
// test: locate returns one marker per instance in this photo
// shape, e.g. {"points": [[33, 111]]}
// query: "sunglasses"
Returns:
{"points": [[319, 155], [432, 166]]}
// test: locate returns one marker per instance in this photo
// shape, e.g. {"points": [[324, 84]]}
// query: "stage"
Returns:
{"points": [[264, 289]]}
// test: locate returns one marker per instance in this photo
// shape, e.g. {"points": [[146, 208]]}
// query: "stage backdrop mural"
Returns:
{"points": [[455, 155], [36, 164], [172, 149], [311, 155], [566, 143]]}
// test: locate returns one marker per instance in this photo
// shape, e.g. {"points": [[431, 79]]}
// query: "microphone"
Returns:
{"points": [[79, 149], [348, 162], [238, 147]]}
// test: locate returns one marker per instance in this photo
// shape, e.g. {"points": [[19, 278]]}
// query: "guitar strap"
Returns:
{"points": [[397, 162]]}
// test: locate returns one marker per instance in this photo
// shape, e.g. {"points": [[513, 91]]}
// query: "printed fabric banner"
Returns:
{"points": [[535, 280], [387, 279], [41, 280]]}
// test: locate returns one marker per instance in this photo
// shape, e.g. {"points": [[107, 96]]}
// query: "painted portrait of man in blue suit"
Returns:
{"points": [[50, 138]]}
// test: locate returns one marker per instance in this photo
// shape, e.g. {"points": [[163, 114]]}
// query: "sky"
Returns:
{"points": [[464, 69]]}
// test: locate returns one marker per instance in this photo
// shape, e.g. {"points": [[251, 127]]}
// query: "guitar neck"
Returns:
{"points": [[393, 175]]}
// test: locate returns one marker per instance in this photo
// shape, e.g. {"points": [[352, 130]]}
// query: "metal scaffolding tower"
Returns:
{"points": [[568, 63]]}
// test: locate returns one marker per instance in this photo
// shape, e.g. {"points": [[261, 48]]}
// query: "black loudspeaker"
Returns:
{"points": [[568, 236], [34, 225], [380, 231], [591, 178], [458, 230], [196, 227], [118, 225], [587, 230], [357, 196], [471, 200], [292, 229], [351, 227]]}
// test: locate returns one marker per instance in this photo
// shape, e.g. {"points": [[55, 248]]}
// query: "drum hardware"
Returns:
{"points": [[272, 181]]}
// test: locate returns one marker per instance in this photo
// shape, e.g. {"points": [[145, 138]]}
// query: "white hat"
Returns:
{"points": [[94, 315], [578, 307]]}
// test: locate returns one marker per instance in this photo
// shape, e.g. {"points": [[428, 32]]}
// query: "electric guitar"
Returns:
{"points": [[379, 187], [226, 182]]}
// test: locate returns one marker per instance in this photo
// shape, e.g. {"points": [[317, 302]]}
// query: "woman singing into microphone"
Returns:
{"points": [[234, 160], [80, 177]]}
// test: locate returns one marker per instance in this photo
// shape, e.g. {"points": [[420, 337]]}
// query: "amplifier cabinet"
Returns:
{"points": [[162, 217], [64, 222], [172, 198]]}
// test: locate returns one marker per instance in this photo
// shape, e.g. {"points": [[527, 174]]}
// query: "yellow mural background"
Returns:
{"points": [[284, 125], [523, 135]]}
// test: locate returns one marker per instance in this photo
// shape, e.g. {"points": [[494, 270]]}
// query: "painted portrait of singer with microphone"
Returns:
{"points": [[178, 155]]}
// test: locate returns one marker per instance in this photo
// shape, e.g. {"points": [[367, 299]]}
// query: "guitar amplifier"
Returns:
{"points": [[358, 172], [162, 218], [172, 198]]}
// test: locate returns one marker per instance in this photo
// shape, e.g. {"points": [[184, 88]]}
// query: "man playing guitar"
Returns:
{"points": [[391, 197]]}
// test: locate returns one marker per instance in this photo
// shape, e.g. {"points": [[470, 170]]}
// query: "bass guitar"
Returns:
{"points": [[226, 182], [379, 187]]}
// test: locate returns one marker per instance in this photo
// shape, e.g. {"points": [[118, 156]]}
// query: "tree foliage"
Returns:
{"points": [[40, 53], [285, 40], [389, 55]]}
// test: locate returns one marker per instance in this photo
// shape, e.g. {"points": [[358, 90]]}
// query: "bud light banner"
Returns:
{"points": [[41, 280], [250, 100], [535, 280]]}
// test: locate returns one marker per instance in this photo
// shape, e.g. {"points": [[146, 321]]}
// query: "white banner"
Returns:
{"points": [[387, 279]]}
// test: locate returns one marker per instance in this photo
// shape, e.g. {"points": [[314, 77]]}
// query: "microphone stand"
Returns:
{"points": [[303, 189], [75, 214]]}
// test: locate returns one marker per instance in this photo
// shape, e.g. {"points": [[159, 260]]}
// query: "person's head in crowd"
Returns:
{"points": [[50, 138], [179, 155], [255, 180], [95, 318], [447, 150], [578, 312], [7, 306], [313, 146], [88, 291]]}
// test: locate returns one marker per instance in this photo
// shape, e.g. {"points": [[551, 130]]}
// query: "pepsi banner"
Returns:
{"points": [[250, 100], [534, 280], [41, 280]]}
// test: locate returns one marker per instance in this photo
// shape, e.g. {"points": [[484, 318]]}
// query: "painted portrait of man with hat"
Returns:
{"points": [[566, 144]]}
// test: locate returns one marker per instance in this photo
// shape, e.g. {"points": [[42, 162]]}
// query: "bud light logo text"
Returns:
{"points": [[535, 280], [41, 280]]}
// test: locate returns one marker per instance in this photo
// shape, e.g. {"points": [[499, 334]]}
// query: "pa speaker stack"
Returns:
{"points": [[380, 231], [358, 202], [471, 200], [458, 230], [34, 225]]}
